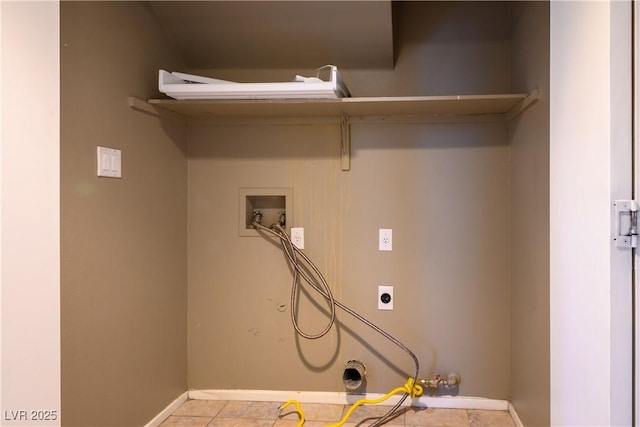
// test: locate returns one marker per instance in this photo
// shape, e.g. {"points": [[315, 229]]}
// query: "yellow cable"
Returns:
{"points": [[298, 410], [411, 388]]}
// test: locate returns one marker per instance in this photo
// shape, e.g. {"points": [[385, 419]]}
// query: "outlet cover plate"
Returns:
{"points": [[297, 237], [385, 239], [109, 162], [385, 297]]}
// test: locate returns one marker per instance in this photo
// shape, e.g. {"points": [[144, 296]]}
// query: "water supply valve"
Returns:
{"points": [[437, 381], [257, 217]]}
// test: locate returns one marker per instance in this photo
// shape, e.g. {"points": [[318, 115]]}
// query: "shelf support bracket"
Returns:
{"points": [[345, 145], [144, 107], [521, 106]]}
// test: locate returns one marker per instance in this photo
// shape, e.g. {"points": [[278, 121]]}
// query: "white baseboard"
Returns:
{"points": [[166, 412], [341, 398], [514, 415]]}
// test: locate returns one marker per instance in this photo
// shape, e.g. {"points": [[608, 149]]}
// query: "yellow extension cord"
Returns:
{"points": [[414, 390]]}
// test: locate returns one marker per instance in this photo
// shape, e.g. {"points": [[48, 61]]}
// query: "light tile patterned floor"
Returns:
{"points": [[222, 413]]}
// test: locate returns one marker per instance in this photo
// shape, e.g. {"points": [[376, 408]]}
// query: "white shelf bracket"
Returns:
{"points": [[345, 145], [144, 107]]}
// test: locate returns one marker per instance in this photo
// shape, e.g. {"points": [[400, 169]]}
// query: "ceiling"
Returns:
{"points": [[279, 34]]}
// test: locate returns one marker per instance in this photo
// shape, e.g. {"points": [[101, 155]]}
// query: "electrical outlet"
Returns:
{"points": [[297, 237], [385, 297], [385, 240]]}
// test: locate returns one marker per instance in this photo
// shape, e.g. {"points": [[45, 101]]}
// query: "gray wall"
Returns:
{"points": [[123, 242], [529, 194], [443, 188], [468, 208]]}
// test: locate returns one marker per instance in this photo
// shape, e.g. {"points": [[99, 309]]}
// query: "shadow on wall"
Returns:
{"points": [[289, 141], [319, 303]]}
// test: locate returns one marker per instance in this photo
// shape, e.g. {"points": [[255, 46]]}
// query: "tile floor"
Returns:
{"points": [[211, 413]]}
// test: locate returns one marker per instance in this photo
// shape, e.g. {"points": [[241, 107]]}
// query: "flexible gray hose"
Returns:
{"points": [[292, 253], [290, 249]]}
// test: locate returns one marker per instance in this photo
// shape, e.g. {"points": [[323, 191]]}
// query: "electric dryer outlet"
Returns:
{"points": [[385, 297]]}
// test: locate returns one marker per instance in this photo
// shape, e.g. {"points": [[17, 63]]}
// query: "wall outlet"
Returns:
{"points": [[385, 240], [385, 297], [297, 237]]}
